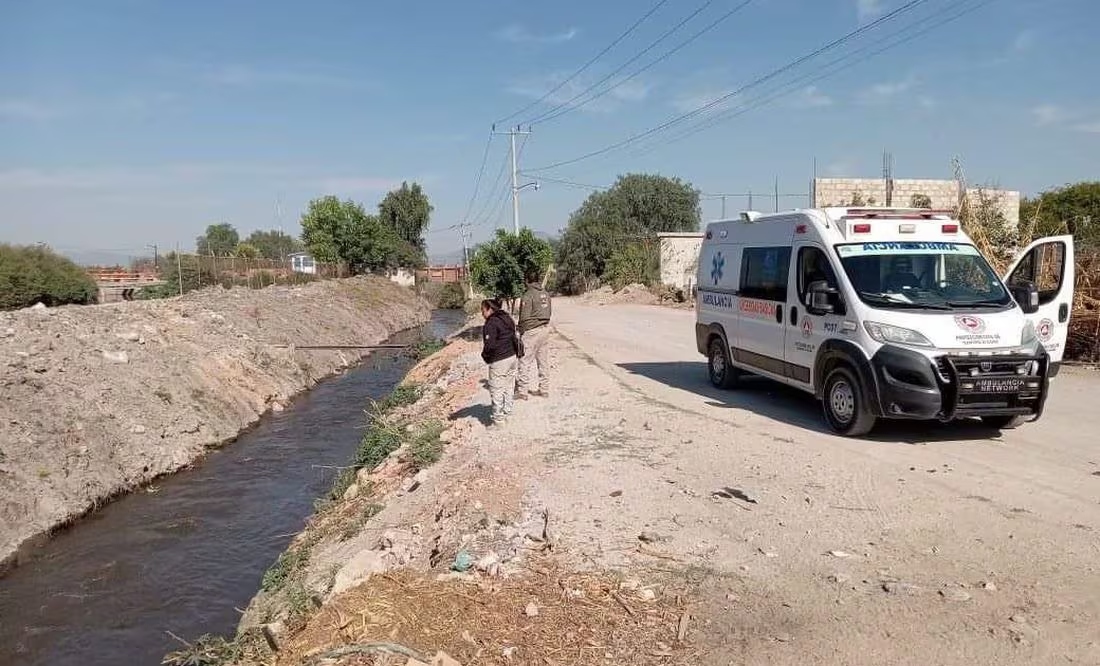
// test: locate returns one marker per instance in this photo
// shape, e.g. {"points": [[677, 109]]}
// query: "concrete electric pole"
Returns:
{"points": [[516, 187]]}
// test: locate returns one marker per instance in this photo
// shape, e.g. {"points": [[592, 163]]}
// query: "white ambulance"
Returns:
{"points": [[883, 313]]}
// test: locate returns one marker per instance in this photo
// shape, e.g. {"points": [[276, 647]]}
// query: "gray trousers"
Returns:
{"points": [[502, 386], [535, 361]]}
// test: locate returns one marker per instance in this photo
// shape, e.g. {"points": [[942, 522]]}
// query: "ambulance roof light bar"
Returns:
{"points": [[750, 216], [897, 213]]}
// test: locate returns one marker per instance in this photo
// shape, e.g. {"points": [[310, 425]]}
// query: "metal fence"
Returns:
{"points": [[179, 273]]}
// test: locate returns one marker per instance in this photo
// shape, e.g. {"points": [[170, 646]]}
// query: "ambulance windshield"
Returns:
{"points": [[922, 275]]}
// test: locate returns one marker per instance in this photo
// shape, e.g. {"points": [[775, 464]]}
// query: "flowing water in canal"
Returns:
{"points": [[183, 559]]}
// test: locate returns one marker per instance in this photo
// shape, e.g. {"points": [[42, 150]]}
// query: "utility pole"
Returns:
{"points": [[516, 187], [723, 206], [777, 194], [464, 230], [156, 255], [888, 176]]}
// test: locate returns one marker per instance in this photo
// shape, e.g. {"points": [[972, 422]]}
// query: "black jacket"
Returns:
{"points": [[499, 332]]}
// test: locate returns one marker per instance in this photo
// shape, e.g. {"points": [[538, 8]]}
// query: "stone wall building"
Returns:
{"points": [[942, 193]]}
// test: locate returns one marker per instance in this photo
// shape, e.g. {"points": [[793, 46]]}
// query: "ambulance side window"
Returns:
{"points": [[764, 273], [814, 266]]}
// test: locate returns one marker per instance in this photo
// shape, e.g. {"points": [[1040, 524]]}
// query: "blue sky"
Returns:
{"points": [[131, 122]]}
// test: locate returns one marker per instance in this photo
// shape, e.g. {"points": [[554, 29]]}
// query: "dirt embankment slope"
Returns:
{"points": [[641, 516], [97, 400]]}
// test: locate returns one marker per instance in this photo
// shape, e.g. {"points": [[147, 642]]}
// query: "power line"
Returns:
{"points": [[480, 173], [816, 75], [499, 186], [758, 81], [569, 183], [568, 104], [586, 65], [667, 54]]}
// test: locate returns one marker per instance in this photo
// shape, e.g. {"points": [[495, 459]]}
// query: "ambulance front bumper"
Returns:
{"points": [[909, 385]]}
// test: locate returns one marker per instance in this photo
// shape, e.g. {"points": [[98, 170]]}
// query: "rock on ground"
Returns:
{"points": [[99, 399]]}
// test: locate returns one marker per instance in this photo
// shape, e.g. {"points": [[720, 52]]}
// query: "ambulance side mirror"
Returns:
{"points": [[1026, 295], [819, 298]]}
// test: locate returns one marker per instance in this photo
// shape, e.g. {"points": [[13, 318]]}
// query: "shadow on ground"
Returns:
{"points": [[483, 413], [789, 405]]}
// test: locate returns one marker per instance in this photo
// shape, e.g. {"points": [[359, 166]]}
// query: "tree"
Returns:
{"points": [[638, 262], [337, 231], [247, 250], [220, 240], [501, 267], [1073, 209], [634, 209], [36, 274], [407, 211], [920, 201], [274, 244]]}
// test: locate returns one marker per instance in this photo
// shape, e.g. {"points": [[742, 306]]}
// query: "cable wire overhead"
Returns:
{"points": [[585, 66], [568, 106], [755, 83], [891, 41]]}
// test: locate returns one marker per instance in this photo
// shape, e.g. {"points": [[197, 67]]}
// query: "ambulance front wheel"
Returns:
{"points": [[845, 409], [722, 373]]}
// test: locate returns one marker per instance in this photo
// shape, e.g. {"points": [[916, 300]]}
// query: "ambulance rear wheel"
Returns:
{"points": [[1003, 422], [846, 411], [722, 373]]}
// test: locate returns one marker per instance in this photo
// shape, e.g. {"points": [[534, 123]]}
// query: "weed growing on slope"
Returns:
{"points": [[402, 396], [289, 563], [427, 447], [369, 511], [425, 347], [206, 651]]}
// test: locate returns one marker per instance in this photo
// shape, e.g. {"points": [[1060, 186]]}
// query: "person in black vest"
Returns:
{"points": [[499, 352]]}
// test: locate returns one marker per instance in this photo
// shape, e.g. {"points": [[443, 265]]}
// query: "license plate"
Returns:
{"points": [[999, 385]]}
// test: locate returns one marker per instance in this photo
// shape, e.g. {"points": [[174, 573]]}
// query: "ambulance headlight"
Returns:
{"points": [[1028, 337], [897, 335]]}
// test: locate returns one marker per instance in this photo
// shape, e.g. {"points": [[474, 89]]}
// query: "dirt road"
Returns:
{"points": [[920, 544]]}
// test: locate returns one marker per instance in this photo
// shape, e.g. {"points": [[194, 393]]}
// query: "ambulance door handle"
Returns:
{"points": [[779, 314], [794, 315], [1063, 313]]}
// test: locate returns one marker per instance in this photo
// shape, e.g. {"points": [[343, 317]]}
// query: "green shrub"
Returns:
{"points": [[289, 563], [634, 263], [402, 396], [30, 275], [206, 651], [451, 297], [425, 347], [156, 292], [427, 447], [379, 442]]}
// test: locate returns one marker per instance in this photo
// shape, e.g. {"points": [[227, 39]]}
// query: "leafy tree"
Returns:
{"points": [[342, 232], [1073, 209], [501, 267], [247, 250], [638, 262], [920, 201], [407, 211], [635, 208], [274, 244], [220, 240], [36, 274]]}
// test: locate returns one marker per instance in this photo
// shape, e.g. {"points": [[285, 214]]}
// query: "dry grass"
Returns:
{"points": [[583, 618]]}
